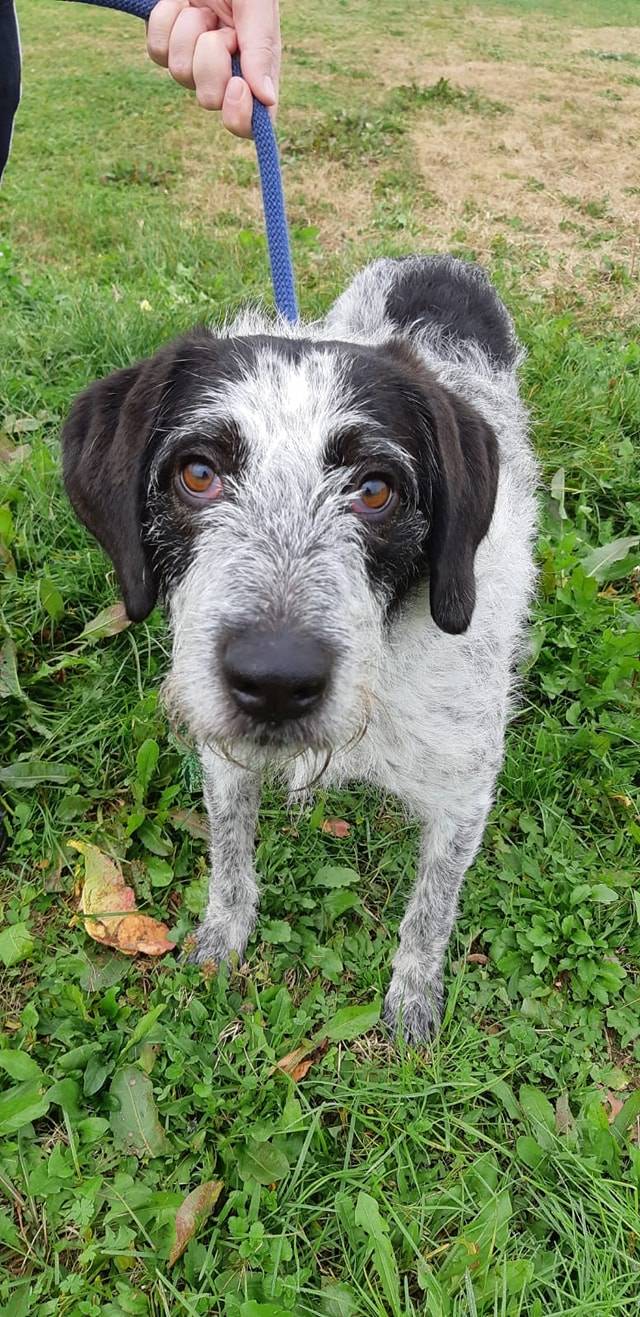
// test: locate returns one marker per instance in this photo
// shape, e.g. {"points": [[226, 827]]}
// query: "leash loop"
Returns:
{"points": [[270, 177]]}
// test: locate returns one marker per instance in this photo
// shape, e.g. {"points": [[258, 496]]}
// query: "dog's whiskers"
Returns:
{"points": [[221, 751], [308, 786]]}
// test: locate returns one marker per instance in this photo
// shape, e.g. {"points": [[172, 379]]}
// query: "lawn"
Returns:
{"points": [[497, 1172]]}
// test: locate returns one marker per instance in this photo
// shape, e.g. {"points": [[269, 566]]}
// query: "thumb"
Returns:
{"points": [[258, 28]]}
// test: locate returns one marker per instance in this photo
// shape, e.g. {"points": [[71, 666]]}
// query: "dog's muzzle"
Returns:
{"points": [[276, 676]]}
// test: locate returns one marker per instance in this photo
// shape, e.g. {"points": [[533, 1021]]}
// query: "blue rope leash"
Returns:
{"points": [[270, 178]]}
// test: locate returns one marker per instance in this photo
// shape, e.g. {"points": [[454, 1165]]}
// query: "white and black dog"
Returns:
{"points": [[339, 518]]}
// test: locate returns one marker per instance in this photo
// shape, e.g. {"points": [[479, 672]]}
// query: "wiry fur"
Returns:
{"points": [[411, 708]]}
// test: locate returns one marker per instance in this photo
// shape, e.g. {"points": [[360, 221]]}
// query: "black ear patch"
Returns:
{"points": [[455, 297], [457, 452], [463, 498], [102, 453], [104, 444]]}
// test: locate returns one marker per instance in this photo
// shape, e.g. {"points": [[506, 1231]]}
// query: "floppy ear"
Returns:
{"points": [[104, 441], [463, 492]]}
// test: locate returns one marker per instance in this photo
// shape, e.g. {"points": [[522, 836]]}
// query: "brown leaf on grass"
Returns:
{"points": [[298, 1063], [110, 912], [10, 453], [26, 424], [110, 622], [142, 935], [192, 822], [613, 1104], [191, 1213], [621, 799], [564, 1118], [336, 827], [7, 560], [53, 880]]}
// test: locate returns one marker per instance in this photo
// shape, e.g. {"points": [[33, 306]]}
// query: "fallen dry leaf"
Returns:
{"points": [[142, 935], [192, 822], [53, 880], [191, 1213], [564, 1118], [110, 622], [26, 424], [104, 895], [298, 1063], [613, 1104], [7, 560], [299, 1071], [336, 827], [621, 799], [11, 452], [109, 907]]}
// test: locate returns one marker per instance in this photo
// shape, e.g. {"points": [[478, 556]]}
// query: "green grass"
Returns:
{"points": [[499, 1171]]}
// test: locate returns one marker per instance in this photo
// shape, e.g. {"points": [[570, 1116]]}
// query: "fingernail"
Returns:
{"points": [[235, 89], [269, 90]]}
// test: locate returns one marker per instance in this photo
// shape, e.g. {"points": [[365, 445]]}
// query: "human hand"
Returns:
{"points": [[195, 40]]}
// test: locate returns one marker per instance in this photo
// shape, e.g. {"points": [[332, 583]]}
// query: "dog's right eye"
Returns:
{"points": [[197, 482], [375, 499]]}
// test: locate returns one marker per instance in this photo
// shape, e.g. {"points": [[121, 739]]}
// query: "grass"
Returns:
{"points": [[499, 1171]]}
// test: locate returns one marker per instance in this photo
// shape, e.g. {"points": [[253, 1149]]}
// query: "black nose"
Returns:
{"points": [[273, 676]]}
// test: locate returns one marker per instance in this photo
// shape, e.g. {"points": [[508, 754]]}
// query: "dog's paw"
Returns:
{"points": [[218, 944], [415, 1016]]}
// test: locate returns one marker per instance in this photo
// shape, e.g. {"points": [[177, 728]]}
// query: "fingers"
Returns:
{"points": [[159, 27], [237, 107], [257, 25], [195, 40], [212, 66], [190, 26]]}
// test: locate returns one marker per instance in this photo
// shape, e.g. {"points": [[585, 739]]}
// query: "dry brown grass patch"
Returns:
{"points": [[558, 170]]}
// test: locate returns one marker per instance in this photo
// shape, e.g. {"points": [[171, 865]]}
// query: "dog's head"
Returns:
{"points": [[286, 497]]}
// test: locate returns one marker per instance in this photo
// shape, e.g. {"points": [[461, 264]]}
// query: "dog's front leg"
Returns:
{"points": [[413, 1004], [232, 796]]}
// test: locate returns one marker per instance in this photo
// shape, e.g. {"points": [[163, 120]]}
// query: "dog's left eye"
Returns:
{"points": [[376, 497], [199, 482]]}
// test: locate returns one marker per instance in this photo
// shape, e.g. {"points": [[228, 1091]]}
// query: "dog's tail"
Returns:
{"points": [[437, 297]]}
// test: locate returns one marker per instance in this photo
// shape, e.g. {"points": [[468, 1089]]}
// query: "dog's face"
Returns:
{"points": [[286, 497]]}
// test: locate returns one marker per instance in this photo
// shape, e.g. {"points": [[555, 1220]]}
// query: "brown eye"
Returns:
{"points": [[199, 481], [375, 497]]}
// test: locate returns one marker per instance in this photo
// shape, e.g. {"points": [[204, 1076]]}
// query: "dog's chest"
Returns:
{"points": [[436, 719]]}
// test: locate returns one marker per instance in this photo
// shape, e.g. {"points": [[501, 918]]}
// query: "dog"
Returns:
{"points": [[339, 519]]}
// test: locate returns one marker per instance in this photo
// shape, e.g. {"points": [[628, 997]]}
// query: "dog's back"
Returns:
{"points": [[451, 301]]}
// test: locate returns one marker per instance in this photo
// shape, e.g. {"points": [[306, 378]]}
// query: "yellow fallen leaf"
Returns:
{"points": [[109, 908]]}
